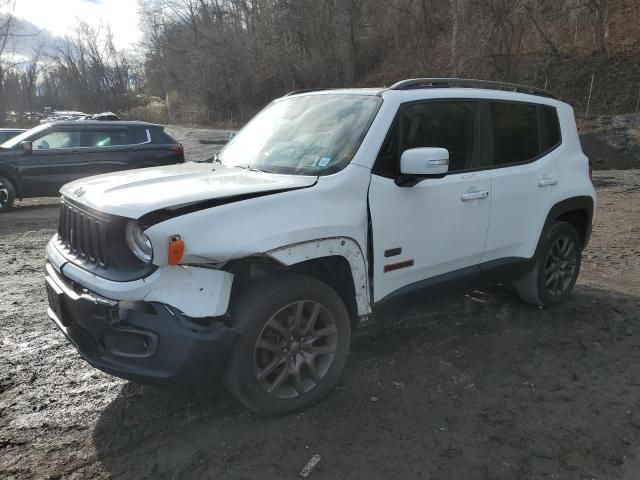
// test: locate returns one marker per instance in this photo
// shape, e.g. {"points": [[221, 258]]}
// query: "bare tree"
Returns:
{"points": [[6, 25]]}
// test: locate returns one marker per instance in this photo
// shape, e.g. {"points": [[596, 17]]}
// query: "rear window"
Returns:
{"points": [[516, 137]]}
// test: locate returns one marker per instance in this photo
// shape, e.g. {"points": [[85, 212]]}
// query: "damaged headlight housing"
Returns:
{"points": [[138, 242]]}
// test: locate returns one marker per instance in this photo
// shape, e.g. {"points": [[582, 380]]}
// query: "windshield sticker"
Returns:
{"points": [[324, 161], [308, 161]]}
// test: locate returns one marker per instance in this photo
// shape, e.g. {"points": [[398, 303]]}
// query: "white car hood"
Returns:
{"points": [[136, 192]]}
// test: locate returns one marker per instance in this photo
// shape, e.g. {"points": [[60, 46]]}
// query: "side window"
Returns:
{"points": [[139, 135], [516, 137], [448, 124], [107, 138], [551, 129], [69, 139]]}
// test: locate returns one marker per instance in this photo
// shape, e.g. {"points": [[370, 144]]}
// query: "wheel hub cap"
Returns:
{"points": [[4, 194], [561, 265], [295, 349]]}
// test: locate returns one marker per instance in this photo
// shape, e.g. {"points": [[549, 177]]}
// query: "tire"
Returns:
{"points": [[554, 274], [7, 194], [267, 371]]}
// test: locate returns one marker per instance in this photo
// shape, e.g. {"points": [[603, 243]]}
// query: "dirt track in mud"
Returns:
{"points": [[480, 386]]}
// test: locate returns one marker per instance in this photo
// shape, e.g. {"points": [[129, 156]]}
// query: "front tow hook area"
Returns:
{"points": [[141, 341]]}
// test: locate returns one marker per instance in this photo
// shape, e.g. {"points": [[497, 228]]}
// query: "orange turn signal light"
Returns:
{"points": [[176, 250]]}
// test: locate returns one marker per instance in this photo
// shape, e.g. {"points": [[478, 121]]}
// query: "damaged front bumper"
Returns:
{"points": [[197, 292], [141, 333]]}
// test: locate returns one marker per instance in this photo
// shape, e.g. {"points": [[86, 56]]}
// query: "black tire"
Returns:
{"points": [[552, 278], [274, 302], [7, 194]]}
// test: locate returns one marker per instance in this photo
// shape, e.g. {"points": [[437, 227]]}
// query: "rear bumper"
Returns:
{"points": [[147, 342]]}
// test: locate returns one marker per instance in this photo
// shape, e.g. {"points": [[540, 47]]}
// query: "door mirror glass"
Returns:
{"points": [[424, 161], [27, 147]]}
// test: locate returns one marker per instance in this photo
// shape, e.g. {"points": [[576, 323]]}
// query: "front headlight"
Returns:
{"points": [[138, 242]]}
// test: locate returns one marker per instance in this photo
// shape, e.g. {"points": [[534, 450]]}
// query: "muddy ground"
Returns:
{"points": [[477, 386]]}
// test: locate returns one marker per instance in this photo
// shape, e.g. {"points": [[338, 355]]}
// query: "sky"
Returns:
{"points": [[59, 17]]}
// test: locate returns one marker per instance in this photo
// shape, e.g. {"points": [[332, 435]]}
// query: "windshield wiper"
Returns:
{"points": [[251, 169]]}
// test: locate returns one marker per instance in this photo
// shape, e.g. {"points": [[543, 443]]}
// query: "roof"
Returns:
{"points": [[436, 83], [103, 123], [13, 129], [421, 83], [342, 91]]}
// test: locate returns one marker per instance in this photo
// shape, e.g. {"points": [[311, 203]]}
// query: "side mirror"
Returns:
{"points": [[27, 147], [419, 163]]}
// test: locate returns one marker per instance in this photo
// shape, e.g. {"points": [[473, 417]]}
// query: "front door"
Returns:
{"points": [[55, 160], [438, 226]]}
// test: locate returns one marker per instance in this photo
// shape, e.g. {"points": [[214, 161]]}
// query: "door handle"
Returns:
{"points": [[547, 182], [481, 195]]}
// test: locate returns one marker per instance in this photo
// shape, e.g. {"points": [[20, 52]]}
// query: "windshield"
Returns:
{"points": [[303, 135], [15, 141]]}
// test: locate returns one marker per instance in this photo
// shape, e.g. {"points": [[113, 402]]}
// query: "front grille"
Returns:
{"points": [[83, 234]]}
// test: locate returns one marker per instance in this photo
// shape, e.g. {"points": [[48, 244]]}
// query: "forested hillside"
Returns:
{"points": [[219, 61], [230, 57]]}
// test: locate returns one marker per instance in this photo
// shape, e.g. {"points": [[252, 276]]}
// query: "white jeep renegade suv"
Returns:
{"points": [[327, 209]]}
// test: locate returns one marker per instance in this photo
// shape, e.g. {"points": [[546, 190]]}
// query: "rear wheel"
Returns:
{"points": [[293, 347], [552, 278], [7, 194]]}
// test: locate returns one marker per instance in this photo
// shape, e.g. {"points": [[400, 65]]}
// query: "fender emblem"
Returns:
{"points": [[78, 192]]}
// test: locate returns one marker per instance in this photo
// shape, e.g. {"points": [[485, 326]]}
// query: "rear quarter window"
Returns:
{"points": [[550, 129], [158, 137]]}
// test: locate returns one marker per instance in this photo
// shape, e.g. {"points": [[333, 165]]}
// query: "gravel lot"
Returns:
{"points": [[480, 386]]}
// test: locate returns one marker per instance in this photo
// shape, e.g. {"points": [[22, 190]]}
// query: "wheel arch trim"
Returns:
{"points": [[13, 179], [336, 246], [581, 203]]}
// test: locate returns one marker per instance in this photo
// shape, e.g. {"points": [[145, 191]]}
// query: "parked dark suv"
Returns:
{"points": [[39, 161]]}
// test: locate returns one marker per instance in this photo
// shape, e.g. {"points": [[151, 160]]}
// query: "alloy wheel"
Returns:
{"points": [[295, 349], [4, 195], [560, 265]]}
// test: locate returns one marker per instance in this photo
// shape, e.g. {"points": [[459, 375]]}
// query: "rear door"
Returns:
{"points": [[54, 161], [108, 148], [525, 176]]}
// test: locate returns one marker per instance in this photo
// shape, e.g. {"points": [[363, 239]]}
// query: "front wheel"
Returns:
{"points": [[293, 346], [7, 194], [553, 276]]}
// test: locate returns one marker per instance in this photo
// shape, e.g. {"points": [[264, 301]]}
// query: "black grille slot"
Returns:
{"points": [[83, 234]]}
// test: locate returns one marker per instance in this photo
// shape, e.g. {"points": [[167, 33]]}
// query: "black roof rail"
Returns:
{"points": [[414, 83], [305, 90]]}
